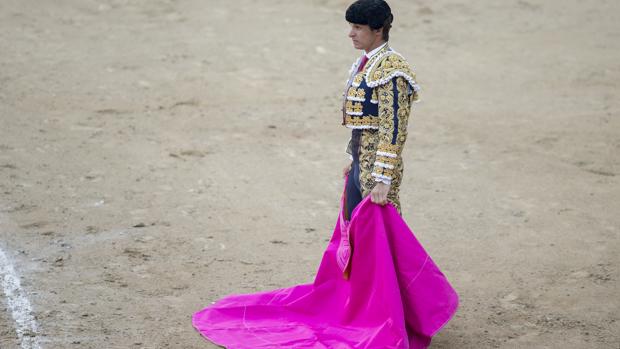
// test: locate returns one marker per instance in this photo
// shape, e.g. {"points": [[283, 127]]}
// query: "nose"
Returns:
{"points": [[351, 34]]}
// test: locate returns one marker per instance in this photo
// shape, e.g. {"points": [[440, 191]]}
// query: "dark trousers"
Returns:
{"points": [[353, 189]]}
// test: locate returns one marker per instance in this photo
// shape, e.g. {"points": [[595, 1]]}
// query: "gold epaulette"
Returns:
{"points": [[387, 66]]}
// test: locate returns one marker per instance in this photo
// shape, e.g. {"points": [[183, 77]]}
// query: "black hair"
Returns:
{"points": [[374, 13]]}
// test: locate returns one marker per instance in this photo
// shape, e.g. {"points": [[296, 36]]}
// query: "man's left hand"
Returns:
{"points": [[379, 193]]}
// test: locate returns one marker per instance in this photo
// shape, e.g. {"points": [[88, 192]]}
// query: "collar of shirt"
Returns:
{"points": [[372, 53]]}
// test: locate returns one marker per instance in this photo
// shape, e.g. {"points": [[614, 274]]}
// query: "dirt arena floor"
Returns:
{"points": [[156, 155]]}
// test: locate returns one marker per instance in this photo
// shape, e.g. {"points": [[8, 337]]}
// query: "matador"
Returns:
{"points": [[376, 106]]}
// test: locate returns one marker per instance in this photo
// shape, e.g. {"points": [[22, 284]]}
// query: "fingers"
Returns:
{"points": [[378, 198]]}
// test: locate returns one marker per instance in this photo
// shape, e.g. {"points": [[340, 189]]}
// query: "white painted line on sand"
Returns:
{"points": [[25, 324]]}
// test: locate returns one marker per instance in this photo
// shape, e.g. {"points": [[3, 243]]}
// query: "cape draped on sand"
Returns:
{"points": [[376, 287]]}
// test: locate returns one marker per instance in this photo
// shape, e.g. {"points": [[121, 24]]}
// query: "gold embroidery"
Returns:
{"points": [[357, 80], [387, 141], [382, 71], [383, 172], [390, 148], [387, 160], [389, 65], [372, 61], [370, 121], [356, 93], [386, 118], [353, 107], [404, 109], [367, 153], [375, 97]]}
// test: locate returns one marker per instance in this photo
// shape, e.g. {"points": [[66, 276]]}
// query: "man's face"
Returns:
{"points": [[363, 36]]}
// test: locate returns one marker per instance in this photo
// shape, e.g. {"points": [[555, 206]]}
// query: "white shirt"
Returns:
{"points": [[372, 53]]}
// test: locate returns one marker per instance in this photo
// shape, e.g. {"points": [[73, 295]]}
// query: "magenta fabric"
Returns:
{"points": [[376, 287]]}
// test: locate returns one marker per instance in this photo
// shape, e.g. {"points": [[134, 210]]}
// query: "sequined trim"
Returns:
{"points": [[383, 172], [391, 161], [357, 80], [356, 94], [384, 165], [355, 99], [353, 108], [388, 65], [362, 127], [382, 176], [390, 150], [361, 122]]}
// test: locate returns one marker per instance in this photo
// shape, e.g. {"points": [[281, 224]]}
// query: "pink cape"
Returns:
{"points": [[376, 287]]}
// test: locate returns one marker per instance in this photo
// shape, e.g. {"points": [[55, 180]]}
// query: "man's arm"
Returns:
{"points": [[394, 99]]}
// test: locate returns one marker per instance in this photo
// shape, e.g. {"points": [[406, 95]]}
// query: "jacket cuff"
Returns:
{"points": [[382, 179]]}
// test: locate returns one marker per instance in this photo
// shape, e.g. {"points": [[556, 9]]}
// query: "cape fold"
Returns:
{"points": [[376, 287]]}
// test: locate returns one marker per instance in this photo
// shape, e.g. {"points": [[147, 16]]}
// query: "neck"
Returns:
{"points": [[374, 46]]}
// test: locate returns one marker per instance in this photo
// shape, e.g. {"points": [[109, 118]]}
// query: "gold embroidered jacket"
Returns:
{"points": [[377, 102]]}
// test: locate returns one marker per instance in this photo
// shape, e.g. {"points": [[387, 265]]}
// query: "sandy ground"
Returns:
{"points": [[156, 155]]}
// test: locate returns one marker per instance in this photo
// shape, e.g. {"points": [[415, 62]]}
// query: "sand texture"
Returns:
{"points": [[156, 155]]}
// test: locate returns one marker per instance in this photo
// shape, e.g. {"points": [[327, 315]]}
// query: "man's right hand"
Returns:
{"points": [[346, 169]]}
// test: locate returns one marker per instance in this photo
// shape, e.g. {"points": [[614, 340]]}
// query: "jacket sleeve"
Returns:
{"points": [[394, 105]]}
